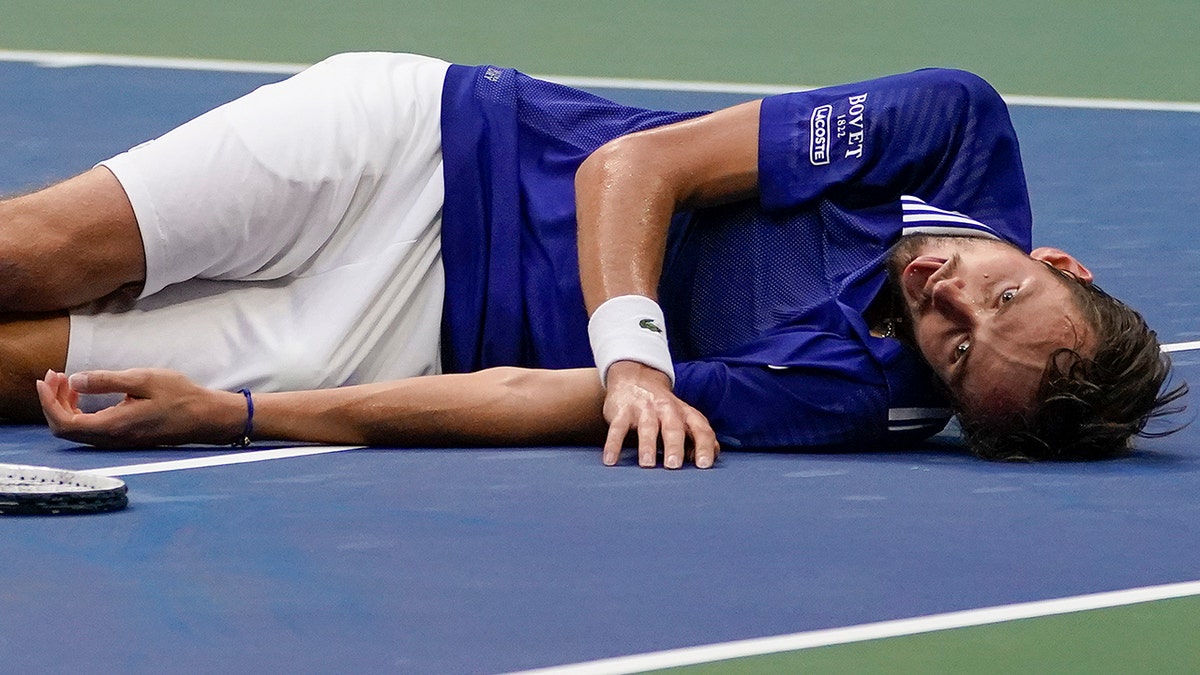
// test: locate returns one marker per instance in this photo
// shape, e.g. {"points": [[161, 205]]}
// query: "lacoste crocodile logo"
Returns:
{"points": [[649, 325]]}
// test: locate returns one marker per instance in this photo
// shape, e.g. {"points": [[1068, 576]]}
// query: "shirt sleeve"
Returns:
{"points": [[943, 136], [751, 406]]}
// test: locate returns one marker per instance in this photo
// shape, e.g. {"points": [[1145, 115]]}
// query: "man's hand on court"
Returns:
{"points": [[161, 407], [640, 397]]}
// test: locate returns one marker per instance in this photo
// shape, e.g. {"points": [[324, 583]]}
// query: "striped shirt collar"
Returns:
{"points": [[923, 218]]}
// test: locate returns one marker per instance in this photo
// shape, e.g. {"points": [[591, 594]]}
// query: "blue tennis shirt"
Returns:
{"points": [[763, 299]]}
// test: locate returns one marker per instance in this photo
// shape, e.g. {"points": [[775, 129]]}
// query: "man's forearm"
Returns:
{"points": [[500, 406], [626, 193]]}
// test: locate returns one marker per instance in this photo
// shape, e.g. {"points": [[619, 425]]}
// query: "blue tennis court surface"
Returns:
{"points": [[473, 561]]}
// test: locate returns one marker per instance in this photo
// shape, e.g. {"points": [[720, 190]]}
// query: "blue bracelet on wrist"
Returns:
{"points": [[244, 441]]}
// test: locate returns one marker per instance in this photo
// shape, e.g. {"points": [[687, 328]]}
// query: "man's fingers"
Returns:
{"points": [[63, 418], [663, 422], [617, 430], [48, 391], [648, 440], [52, 406], [707, 448], [674, 438], [132, 382], [704, 442], [679, 434], [56, 396]]}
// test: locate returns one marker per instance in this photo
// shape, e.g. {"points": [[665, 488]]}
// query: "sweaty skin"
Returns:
{"points": [[987, 317]]}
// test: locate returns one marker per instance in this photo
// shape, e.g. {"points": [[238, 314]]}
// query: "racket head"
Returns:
{"points": [[43, 490]]}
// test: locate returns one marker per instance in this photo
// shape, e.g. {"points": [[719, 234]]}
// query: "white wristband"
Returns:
{"points": [[630, 328]]}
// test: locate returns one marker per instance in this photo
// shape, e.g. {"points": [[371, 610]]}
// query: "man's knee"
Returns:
{"points": [[28, 249], [68, 244], [29, 346]]}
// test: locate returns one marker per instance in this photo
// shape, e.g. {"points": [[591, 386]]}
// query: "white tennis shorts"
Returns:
{"points": [[292, 236]]}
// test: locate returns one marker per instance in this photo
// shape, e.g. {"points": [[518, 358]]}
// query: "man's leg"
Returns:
{"points": [[29, 345], [68, 244]]}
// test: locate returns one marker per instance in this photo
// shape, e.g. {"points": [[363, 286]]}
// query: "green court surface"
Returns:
{"points": [[1157, 637], [1144, 50]]}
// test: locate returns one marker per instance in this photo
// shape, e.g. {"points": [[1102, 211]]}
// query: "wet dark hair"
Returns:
{"points": [[1087, 407]]}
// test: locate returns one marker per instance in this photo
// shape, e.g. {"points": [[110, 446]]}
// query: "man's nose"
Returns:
{"points": [[951, 299]]}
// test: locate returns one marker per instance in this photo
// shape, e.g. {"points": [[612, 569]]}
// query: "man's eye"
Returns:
{"points": [[1008, 295], [962, 348]]}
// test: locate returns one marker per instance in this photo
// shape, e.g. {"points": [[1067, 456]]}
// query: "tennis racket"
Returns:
{"points": [[31, 490]]}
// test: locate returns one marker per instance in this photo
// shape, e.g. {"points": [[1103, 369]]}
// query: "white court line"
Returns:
{"points": [[1181, 346], [75, 59], [220, 460], [72, 59], [871, 631]]}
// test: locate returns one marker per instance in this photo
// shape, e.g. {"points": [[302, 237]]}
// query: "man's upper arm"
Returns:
{"points": [[703, 161], [627, 191]]}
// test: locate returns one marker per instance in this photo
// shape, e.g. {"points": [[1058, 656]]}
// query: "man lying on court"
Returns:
{"points": [[383, 217]]}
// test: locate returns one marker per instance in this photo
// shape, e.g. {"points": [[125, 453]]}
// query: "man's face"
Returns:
{"points": [[987, 317]]}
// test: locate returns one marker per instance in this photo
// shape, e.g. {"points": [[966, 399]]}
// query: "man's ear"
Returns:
{"points": [[1064, 261]]}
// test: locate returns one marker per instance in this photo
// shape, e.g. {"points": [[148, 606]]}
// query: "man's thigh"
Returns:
{"points": [[68, 244]]}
